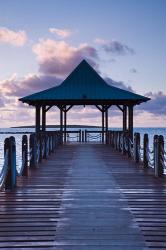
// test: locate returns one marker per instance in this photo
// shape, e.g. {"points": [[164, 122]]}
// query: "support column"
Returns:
{"points": [[37, 118], [65, 123], [130, 121], [103, 125], [43, 118], [61, 120], [106, 121], [106, 126], [124, 118]]}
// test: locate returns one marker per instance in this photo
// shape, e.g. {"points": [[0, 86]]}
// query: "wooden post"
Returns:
{"points": [[159, 168], [65, 122], [137, 147], [37, 118], [25, 154], [10, 145], [145, 153], [43, 118], [82, 136], [124, 118], [103, 126], [106, 126], [61, 120], [130, 121], [85, 135]]}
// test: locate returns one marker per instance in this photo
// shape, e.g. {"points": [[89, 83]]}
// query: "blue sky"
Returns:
{"points": [[137, 25]]}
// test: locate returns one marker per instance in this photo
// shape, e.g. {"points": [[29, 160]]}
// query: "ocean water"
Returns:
{"points": [[4, 133]]}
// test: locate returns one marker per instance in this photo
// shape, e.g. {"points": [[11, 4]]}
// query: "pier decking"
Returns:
{"points": [[85, 196]]}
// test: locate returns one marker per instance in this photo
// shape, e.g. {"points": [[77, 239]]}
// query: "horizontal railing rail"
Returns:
{"points": [[154, 157], [41, 145]]}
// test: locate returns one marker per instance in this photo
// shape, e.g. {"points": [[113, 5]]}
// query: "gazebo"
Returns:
{"points": [[84, 86]]}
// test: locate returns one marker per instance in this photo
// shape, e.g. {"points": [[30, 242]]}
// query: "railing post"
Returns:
{"points": [[25, 154], [137, 147], [33, 150], [159, 152], [155, 149], [80, 135], [145, 152], [85, 135], [161, 156], [12, 173]]}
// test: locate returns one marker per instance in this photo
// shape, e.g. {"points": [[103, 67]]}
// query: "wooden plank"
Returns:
{"points": [[85, 195]]}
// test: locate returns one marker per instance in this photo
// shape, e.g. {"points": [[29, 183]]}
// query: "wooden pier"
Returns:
{"points": [[85, 196]]}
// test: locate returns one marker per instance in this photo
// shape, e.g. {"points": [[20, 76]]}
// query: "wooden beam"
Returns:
{"points": [[106, 125], [106, 120], [48, 108], [130, 121], [37, 119], [61, 120], [65, 123], [99, 108], [43, 118], [124, 118], [119, 107], [67, 109], [103, 126], [106, 107]]}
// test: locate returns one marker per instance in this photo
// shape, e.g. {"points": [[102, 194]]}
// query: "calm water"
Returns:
{"points": [[151, 132]]}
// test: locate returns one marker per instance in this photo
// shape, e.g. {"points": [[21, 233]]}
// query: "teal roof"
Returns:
{"points": [[84, 84]]}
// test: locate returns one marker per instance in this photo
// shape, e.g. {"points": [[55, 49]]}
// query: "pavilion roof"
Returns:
{"points": [[84, 86]]}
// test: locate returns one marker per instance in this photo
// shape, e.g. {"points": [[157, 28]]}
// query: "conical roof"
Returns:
{"points": [[84, 86]]}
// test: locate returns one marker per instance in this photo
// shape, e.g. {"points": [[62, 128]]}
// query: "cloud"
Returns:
{"points": [[14, 38], [115, 47], [18, 87], [118, 84], [63, 33], [157, 104], [59, 58]]}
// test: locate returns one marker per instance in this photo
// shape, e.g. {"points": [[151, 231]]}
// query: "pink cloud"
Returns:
{"points": [[29, 84], [59, 58], [63, 33], [15, 38]]}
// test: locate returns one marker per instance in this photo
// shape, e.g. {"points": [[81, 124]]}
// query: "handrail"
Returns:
{"points": [[4, 170], [142, 154], [40, 146]]}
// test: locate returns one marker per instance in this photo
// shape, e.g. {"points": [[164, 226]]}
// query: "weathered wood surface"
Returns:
{"points": [[86, 197]]}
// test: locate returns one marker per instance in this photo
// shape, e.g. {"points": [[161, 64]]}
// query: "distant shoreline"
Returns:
{"points": [[57, 126]]}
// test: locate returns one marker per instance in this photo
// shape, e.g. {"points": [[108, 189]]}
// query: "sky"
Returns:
{"points": [[41, 42]]}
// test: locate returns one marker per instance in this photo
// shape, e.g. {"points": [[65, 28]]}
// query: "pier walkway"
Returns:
{"points": [[85, 197]]}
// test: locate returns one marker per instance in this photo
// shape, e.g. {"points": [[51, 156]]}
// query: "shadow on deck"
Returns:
{"points": [[86, 196]]}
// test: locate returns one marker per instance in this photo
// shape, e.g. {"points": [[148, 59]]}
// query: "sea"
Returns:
{"points": [[7, 132]]}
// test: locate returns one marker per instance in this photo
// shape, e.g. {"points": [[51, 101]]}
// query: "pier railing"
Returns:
{"points": [[83, 135], [154, 157], [41, 145]]}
